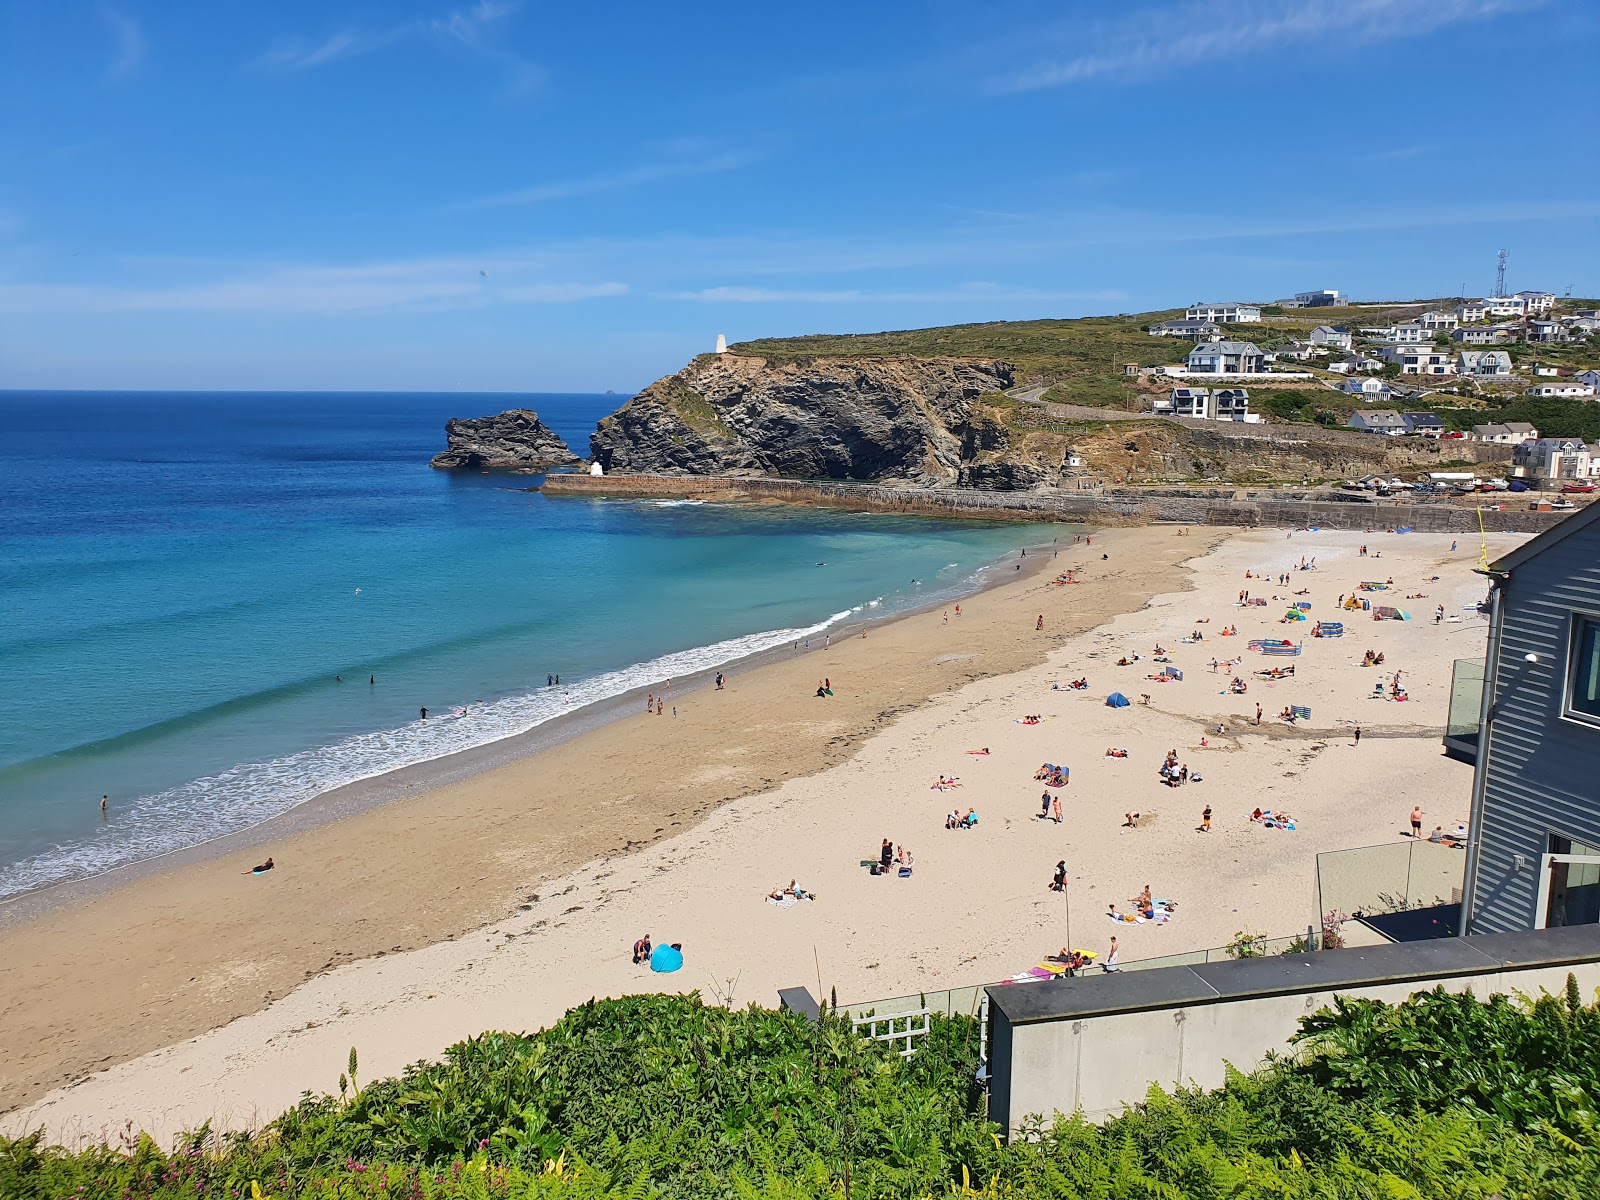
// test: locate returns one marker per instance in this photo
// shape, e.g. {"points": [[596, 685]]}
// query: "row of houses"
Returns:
{"points": [[1206, 404], [1391, 423]]}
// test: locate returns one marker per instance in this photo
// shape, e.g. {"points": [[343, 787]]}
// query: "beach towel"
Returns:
{"points": [[1300, 711], [1116, 700], [785, 902], [665, 960]]}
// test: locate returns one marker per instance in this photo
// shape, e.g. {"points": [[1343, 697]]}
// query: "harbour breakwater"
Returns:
{"points": [[1115, 507]]}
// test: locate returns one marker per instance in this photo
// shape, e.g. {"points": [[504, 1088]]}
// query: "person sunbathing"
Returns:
{"points": [[1142, 899], [1130, 820], [952, 820], [259, 868], [1256, 815], [1439, 838]]}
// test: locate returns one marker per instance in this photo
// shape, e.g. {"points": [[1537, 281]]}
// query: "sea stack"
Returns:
{"points": [[515, 440]]}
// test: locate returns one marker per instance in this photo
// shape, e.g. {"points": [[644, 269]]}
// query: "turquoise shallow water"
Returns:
{"points": [[183, 576]]}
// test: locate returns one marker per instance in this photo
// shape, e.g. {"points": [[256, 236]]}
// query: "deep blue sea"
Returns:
{"points": [[183, 577]]}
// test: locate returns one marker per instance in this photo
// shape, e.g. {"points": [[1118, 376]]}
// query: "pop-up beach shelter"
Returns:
{"points": [[1116, 700], [665, 959], [1172, 673]]}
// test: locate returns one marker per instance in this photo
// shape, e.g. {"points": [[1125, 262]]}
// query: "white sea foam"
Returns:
{"points": [[233, 800]]}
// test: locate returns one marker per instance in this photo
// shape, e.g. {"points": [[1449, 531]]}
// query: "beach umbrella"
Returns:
{"points": [[666, 959], [1116, 700]]}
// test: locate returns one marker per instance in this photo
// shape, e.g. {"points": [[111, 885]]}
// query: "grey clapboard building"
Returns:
{"points": [[1533, 853]]}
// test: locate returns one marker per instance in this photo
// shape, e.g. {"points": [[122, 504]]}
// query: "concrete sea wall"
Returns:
{"points": [[1124, 507]]}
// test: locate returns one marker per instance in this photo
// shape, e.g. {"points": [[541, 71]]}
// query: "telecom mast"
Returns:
{"points": [[1500, 276]]}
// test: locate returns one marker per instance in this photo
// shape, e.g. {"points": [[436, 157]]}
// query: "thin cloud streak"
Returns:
{"points": [[990, 292], [128, 39], [615, 181], [467, 27], [1208, 32]]}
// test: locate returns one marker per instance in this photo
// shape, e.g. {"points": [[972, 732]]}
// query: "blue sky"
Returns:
{"points": [[532, 196]]}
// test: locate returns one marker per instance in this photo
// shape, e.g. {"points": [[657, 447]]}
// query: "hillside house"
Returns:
{"points": [[1231, 404], [1383, 421], [1334, 337], [1470, 312], [1420, 360], [1483, 364], [1226, 358], [1581, 326], [1423, 424], [1296, 352], [1365, 386], [1407, 333], [1505, 306], [1206, 404], [1592, 378], [1512, 433], [1537, 304], [1227, 314], [1552, 460], [1567, 389], [1549, 333], [1533, 850], [1323, 298], [1195, 331], [1480, 335], [1438, 322]]}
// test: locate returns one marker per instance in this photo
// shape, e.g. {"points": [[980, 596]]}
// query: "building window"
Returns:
{"points": [[1583, 686], [1574, 887]]}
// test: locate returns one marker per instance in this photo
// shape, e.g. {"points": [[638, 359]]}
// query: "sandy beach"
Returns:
{"points": [[211, 995]]}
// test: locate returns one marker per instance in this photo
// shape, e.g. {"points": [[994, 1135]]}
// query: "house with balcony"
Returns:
{"points": [[1295, 352], [1566, 389], [1423, 424], [1483, 364], [1184, 402], [1592, 378], [1419, 360], [1438, 322], [1195, 331], [1383, 421], [1365, 386], [1505, 306], [1231, 404], [1334, 337], [1549, 333], [1470, 312], [1322, 298], [1552, 460], [1537, 304], [1407, 333], [1226, 358], [1481, 335], [1227, 314]]}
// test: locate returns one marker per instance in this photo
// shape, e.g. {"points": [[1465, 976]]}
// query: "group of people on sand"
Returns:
{"points": [[1052, 775], [1172, 774], [890, 856], [1372, 659], [1125, 661], [945, 785], [825, 688], [1080, 684], [1050, 807], [1031, 719], [954, 820]]}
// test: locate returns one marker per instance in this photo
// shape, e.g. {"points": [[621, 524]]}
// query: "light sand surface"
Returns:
{"points": [[977, 907]]}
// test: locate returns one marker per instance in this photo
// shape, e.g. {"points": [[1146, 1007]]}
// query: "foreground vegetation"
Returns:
{"points": [[651, 1096]]}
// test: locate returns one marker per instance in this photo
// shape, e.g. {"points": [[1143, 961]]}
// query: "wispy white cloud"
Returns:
{"points": [[948, 295], [128, 46], [421, 284], [613, 181], [471, 27], [1138, 45]]}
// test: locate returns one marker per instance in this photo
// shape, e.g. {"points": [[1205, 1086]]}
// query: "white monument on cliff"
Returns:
{"points": [[722, 343]]}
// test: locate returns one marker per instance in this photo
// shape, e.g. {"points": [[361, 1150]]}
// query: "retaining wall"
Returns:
{"points": [[1089, 509]]}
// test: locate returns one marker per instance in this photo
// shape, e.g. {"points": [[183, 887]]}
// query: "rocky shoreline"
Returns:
{"points": [[515, 440]]}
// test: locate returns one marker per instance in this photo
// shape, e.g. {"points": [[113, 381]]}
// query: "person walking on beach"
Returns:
{"points": [[1205, 820], [649, 701], [1055, 809], [1258, 714], [1416, 822], [661, 706], [1358, 735], [104, 802], [1044, 805], [1039, 624], [1111, 958]]}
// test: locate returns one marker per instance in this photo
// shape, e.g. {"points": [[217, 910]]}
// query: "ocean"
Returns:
{"points": [[217, 606]]}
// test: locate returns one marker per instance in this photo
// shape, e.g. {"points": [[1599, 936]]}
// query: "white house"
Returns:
{"points": [[1438, 321], [1220, 404], [1231, 404], [1408, 333], [1546, 332], [1472, 310], [1537, 304], [1480, 335], [1504, 306], [1552, 459], [1195, 331], [1298, 351], [1226, 358], [1378, 420], [1423, 424], [1510, 434], [1420, 360], [1566, 389], [1336, 336], [1228, 314], [1367, 386], [1484, 364]]}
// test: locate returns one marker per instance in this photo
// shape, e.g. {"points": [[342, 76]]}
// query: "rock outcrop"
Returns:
{"points": [[515, 440], [915, 420]]}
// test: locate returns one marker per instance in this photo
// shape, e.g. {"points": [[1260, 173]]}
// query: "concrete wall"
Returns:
{"points": [[1102, 1042], [1090, 509]]}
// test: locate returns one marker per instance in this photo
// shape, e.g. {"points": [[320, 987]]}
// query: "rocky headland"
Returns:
{"points": [[926, 421], [515, 440]]}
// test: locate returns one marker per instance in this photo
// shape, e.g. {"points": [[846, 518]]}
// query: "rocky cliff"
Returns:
{"points": [[515, 440], [917, 420]]}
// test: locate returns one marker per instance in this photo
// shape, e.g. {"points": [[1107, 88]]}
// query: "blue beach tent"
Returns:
{"points": [[1117, 700], [665, 959]]}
